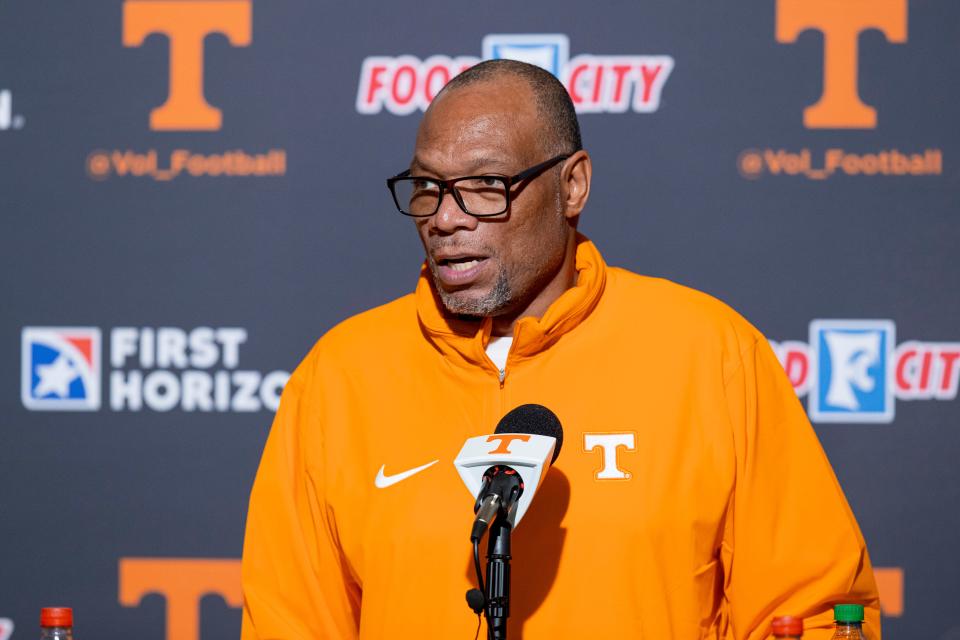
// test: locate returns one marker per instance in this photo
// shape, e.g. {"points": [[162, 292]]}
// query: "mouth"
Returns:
{"points": [[461, 264], [459, 270]]}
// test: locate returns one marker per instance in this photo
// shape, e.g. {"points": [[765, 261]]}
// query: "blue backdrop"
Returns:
{"points": [[192, 193]]}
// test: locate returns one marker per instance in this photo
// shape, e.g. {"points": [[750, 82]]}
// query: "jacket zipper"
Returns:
{"points": [[501, 400], [501, 373]]}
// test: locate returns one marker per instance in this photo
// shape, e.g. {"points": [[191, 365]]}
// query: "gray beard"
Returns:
{"points": [[501, 297], [498, 299]]}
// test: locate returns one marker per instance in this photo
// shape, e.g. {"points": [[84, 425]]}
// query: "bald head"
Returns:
{"points": [[559, 130]]}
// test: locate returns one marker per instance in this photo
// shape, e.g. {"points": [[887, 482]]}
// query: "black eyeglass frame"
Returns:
{"points": [[448, 185]]}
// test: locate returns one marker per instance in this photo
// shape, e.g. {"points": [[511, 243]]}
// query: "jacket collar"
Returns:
{"points": [[464, 341]]}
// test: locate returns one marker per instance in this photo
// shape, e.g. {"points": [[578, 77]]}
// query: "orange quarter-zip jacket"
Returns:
{"points": [[691, 498]]}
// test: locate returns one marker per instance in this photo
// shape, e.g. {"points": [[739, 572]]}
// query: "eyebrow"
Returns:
{"points": [[481, 161]]}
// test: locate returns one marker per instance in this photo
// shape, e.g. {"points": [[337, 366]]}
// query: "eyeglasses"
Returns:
{"points": [[479, 196]]}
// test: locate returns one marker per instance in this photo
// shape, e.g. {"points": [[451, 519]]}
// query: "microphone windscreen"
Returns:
{"points": [[476, 600], [535, 419]]}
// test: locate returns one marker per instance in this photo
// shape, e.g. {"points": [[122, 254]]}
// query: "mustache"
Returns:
{"points": [[434, 247]]}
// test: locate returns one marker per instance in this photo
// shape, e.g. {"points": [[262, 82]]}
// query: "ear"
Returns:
{"points": [[575, 183]]}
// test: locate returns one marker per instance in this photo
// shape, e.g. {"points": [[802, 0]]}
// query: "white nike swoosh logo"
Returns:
{"points": [[383, 481]]}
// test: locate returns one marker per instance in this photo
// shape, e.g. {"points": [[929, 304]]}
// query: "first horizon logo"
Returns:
{"points": [[60, 368], [158, 369]]}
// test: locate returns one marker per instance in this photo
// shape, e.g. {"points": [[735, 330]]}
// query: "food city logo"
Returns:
{"points": [[158, 369], [840, 105], [596, 83], [9, 119], [853, 370], [185, 24]]}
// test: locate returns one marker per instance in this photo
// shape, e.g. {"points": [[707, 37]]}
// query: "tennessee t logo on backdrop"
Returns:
{"points": [[183, 582], [186, 23], [841, 22]]}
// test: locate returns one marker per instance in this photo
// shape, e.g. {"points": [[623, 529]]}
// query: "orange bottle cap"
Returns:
{"points": [[56, 617], [787, 626]]}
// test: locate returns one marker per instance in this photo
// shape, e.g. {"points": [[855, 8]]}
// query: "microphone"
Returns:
{"points": [[504, 470]]}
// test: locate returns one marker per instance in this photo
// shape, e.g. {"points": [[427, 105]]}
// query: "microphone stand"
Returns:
{"points": [[498, 576]]}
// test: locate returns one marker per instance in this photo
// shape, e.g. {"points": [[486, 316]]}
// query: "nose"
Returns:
{"points": [[450, 217]]}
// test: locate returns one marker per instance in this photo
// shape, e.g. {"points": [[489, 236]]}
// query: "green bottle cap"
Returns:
{"points": [[848, 613]]}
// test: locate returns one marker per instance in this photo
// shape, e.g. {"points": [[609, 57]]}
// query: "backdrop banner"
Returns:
{"points": [[192, 193]]}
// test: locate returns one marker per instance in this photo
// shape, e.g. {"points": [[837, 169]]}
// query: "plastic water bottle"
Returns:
{"points": [[849, 619], [787, 627], [56, 623]]}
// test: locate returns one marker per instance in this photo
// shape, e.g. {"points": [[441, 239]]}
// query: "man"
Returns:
{"points": [[692, 499]]}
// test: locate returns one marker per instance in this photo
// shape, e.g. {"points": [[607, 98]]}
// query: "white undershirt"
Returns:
{"points": [[497, 350]]}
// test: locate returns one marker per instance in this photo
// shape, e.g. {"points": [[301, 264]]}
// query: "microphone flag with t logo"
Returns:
{"points": [[526, 441]]}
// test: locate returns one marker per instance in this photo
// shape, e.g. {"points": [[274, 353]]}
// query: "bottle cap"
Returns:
{"points": [[56, 617], [787, 626], [848, 613]]}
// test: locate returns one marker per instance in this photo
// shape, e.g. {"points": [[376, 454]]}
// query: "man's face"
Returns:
{"points": [[491, 266]]}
